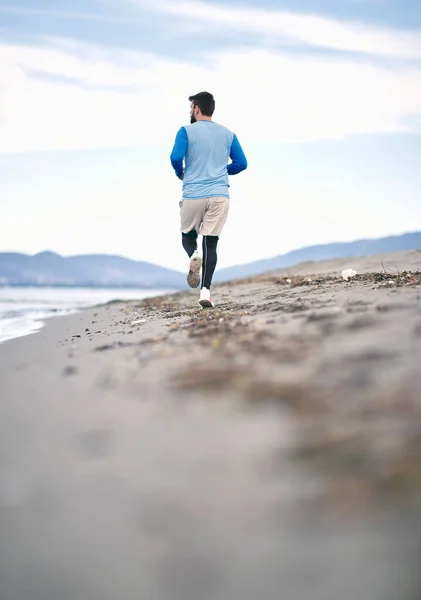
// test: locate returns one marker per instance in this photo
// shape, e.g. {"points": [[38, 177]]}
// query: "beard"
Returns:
{"points": [[193, 119]]}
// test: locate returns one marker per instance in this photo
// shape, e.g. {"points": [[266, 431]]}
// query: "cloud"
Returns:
{"points": [[28, 11], [287, 26], [66, 95]]}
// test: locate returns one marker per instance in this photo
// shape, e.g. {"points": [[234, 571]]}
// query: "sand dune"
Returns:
{"points": [[390, 262]]}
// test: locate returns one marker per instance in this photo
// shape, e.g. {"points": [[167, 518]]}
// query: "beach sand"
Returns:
{"points": [[269, 448]]}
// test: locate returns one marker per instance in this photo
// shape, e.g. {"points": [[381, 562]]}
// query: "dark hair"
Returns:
{"points": [[205, 101]]}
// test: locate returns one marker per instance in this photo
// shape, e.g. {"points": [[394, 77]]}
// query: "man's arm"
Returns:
{"points": [[179, 152], [239, 161]]}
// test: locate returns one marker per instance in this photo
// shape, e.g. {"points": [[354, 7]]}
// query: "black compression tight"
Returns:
{"points": [[189, 241], [210, 258]]}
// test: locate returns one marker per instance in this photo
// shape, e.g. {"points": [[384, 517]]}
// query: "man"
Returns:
{"points": [[205, 147]]}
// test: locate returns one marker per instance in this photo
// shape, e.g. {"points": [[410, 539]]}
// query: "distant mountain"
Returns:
{"points": [[102, 270], [406, 241], [50, 269]]}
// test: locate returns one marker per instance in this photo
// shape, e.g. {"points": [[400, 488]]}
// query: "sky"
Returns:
{"points": [[324, 97]]}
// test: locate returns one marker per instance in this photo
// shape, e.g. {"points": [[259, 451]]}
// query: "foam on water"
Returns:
{"points": [[24, 310], [15, 327]]}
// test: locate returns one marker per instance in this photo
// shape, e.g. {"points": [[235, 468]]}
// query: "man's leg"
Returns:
{"points": [[210, 258], [189, 241], [216, 214], [191, 213]]}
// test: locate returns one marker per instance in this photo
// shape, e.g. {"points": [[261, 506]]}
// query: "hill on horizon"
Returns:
{"points": [[363, 247], [91, 270]]}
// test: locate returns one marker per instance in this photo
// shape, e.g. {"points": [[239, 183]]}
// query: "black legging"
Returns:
{"points": [[209, 245]]}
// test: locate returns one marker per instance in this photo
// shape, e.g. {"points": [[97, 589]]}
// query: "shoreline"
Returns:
{"points": [[27, 312], [157, 450]]}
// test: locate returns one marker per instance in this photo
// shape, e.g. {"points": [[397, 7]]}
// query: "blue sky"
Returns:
{"points": [[325, 98]]}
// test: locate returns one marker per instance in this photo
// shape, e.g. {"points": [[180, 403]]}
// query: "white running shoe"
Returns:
{"points": [[193, 277], [205, 299]]}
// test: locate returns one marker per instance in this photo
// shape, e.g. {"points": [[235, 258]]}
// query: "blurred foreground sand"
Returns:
{"points": [[268, 449]]}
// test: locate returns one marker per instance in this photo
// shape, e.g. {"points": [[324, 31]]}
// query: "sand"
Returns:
{"points": [[270, 448]]}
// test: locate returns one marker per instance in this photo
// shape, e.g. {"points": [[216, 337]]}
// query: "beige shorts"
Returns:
{"points": [[206, 215]]}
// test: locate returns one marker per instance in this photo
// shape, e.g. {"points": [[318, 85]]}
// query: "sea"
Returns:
{"points": [[24, 310]]}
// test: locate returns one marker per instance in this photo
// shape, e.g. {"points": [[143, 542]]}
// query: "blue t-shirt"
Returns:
{"points": [[206, 147]]}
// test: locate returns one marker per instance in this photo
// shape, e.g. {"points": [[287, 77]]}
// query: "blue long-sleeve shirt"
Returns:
{"points": [[201, 156]]}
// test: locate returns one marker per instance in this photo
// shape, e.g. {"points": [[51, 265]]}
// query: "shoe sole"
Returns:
{"points": [[206, 304], [193, 277]]}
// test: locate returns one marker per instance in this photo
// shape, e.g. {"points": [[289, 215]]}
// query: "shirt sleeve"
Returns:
{"points": [[179, 151], [239, 161]]}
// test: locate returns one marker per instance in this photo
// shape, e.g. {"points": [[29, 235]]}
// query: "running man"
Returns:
{"points": [[205, 147]]}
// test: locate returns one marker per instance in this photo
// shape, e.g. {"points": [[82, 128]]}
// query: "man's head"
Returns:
{"points": [[202, 106]]}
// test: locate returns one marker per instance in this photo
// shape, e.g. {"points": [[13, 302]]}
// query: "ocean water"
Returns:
{"points": [[23, 310]]}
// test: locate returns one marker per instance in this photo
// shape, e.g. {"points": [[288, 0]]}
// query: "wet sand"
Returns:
{"points": [[269, 448]]}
